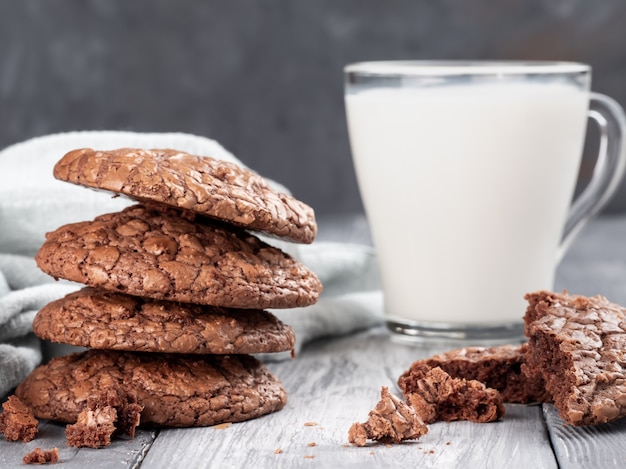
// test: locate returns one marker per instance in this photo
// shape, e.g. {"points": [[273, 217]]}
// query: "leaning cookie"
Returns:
{"points": [[202, 184], [577, 344], [100, 319], [174, 390], [161, 255]]}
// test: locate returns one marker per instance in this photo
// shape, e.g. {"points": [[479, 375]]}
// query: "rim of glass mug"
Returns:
{"points": [[442, 68]]}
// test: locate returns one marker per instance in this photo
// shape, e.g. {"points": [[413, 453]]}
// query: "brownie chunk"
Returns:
{"points": [[391, 421], [578, 345], [42, 456], [202, 184], [496, 367], [17, 422], [93, 428], [162, 255], [101, 319], [127, 413], [435, 395], [174, 390]]}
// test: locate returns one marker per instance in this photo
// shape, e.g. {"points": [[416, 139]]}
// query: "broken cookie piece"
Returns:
{"points": [[17, 422], [93, 429], [435, 395], [498, 367], [108, 412], [126, 405], [42, 456], [391, 421]]}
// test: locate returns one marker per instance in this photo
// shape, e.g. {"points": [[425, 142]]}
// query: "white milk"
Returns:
{"points": [[467, 191]]}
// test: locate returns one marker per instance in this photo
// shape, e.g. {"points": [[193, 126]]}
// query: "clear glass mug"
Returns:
{"points": [[467, 172]]}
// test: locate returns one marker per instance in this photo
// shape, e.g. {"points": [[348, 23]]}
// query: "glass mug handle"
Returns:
{"points": [[608, 170]]}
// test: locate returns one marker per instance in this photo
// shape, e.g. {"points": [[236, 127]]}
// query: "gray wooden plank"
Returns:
{"points": [[600, 446], [334, 383], [123, 453]]}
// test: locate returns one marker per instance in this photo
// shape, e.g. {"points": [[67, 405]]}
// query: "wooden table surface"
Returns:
{"points": [[335, 382]]}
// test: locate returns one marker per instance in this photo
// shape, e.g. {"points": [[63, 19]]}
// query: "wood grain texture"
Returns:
{"points": [[600, 446]]}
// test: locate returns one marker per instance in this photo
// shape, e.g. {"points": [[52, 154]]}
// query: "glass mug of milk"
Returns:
{"points": [[467, 172]]}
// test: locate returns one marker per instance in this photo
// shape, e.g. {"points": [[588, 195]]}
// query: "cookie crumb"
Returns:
{"points": [[448, 443], [391, 421], [432, 451], [312, 444], [42, 456], [309, 456], [17, 422], [222, 426], [278, 451], [310, 424]]}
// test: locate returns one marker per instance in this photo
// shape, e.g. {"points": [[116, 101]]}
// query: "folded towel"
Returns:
{"points": [[32, 202]]}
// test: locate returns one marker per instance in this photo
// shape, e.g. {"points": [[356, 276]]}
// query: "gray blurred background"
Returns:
{"points": [[264, 77]]}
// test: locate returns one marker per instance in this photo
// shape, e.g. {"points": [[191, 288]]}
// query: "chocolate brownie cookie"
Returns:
{"points": [[174, 390], [578, 345], [162, 255], [435, 395], [101, 319], [497, 367], [391, 421], [202, 184]]}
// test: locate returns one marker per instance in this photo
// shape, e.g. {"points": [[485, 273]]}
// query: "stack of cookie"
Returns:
{"points": [[179, 276]]}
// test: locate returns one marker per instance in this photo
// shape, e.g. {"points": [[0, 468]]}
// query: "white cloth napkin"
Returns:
{"points": [[32, 203]]}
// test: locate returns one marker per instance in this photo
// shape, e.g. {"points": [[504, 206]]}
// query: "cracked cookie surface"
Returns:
{"points": [[100, 319], [202, 184], [174, 390], [163, 255]]}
